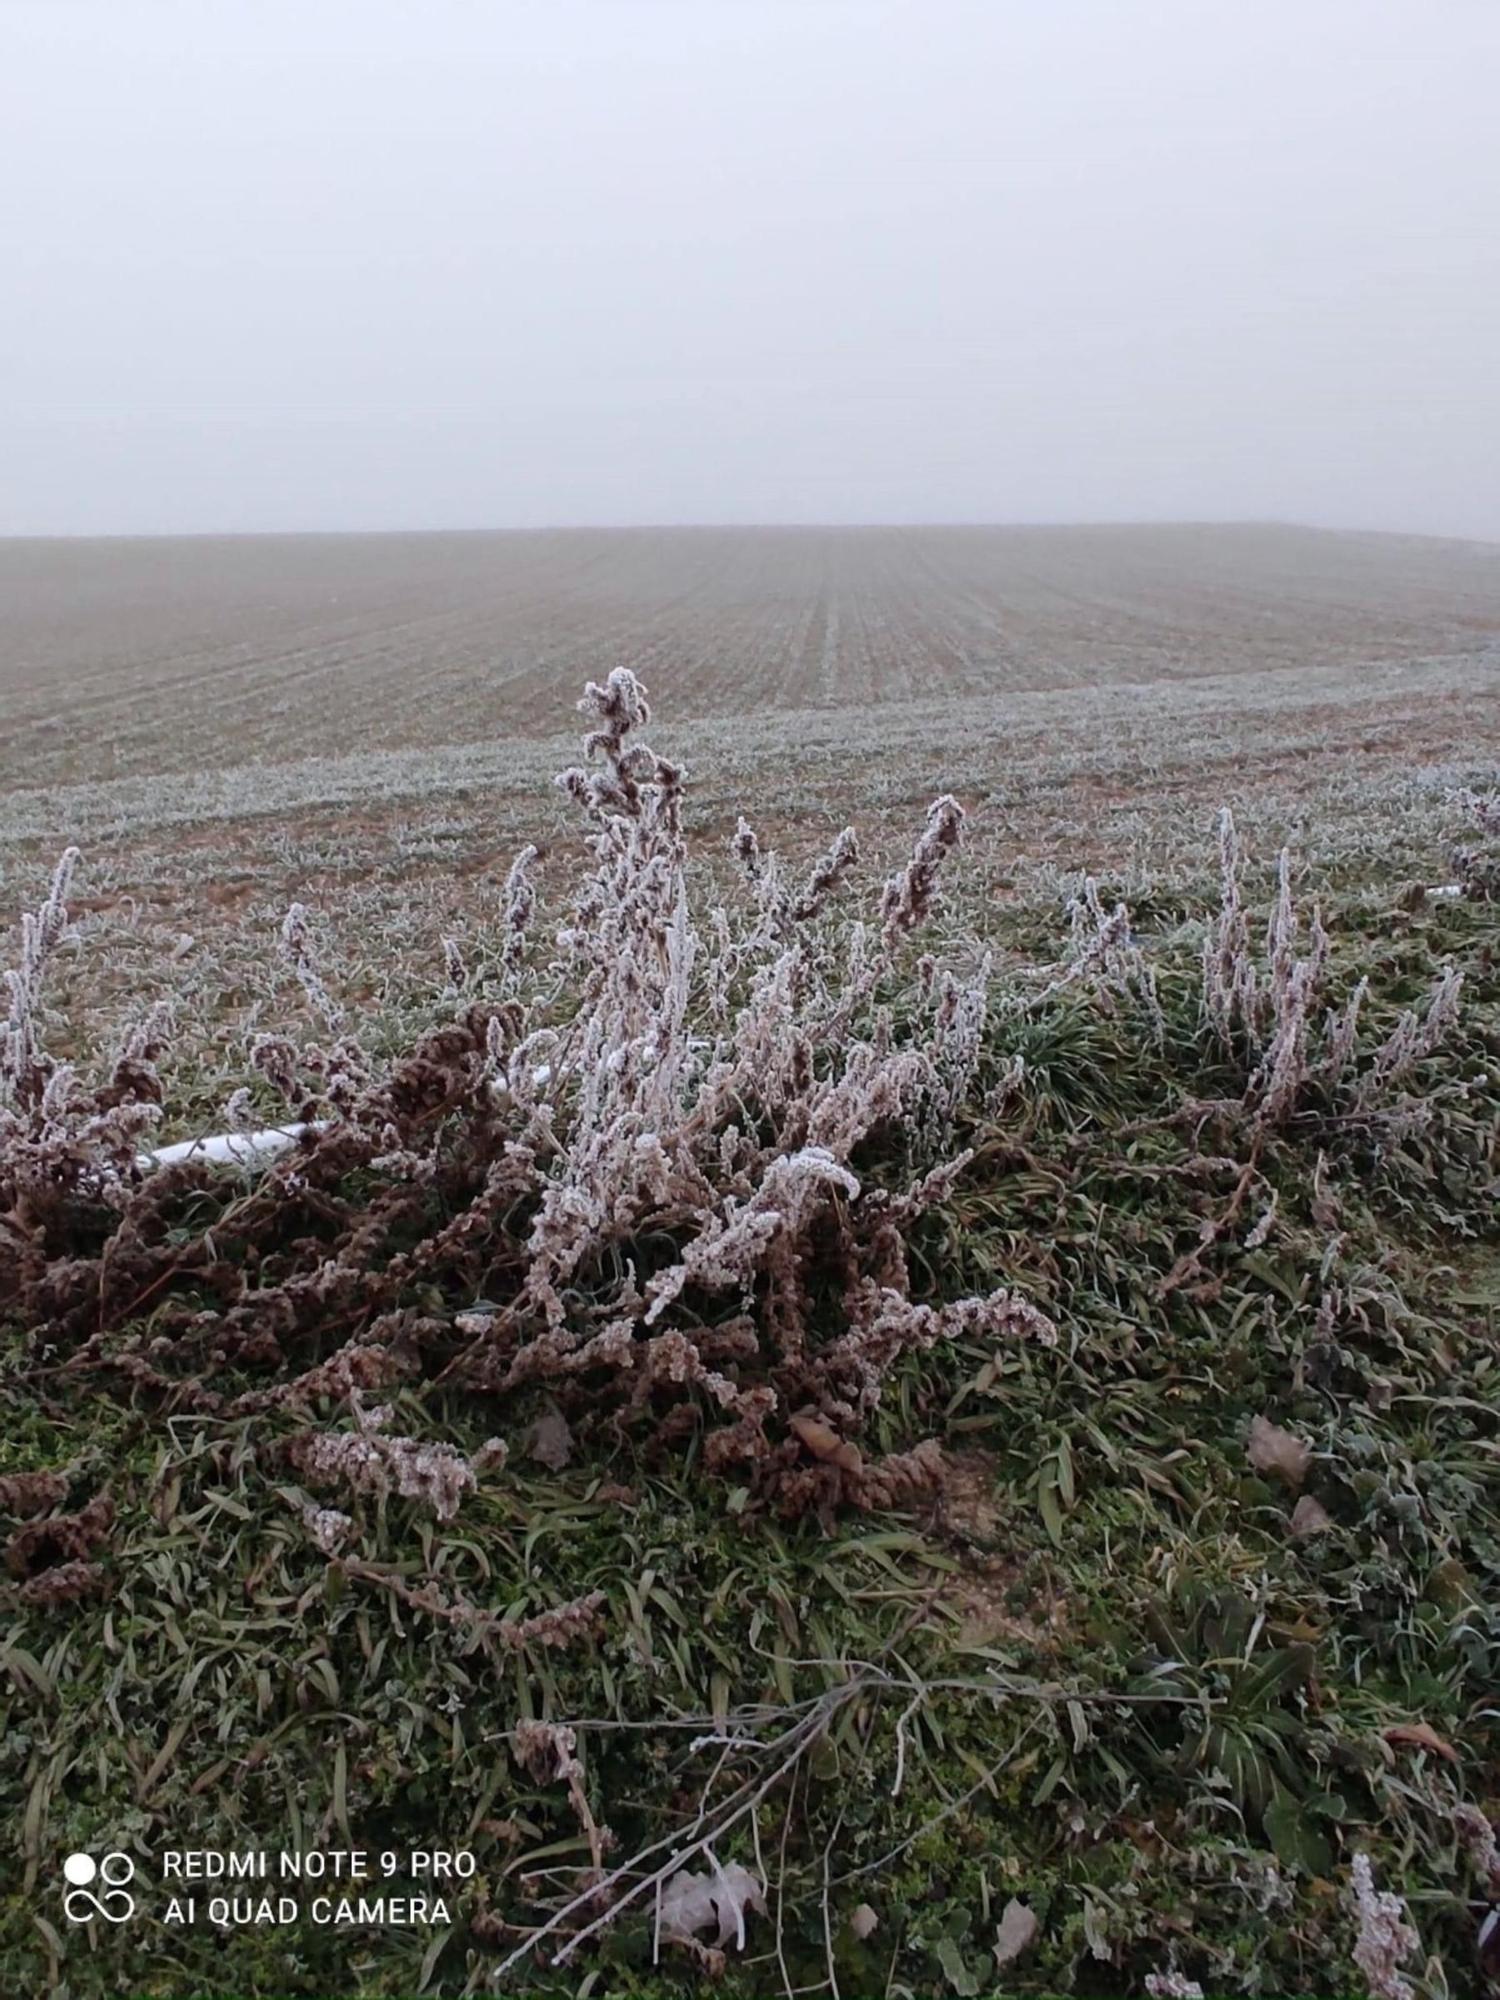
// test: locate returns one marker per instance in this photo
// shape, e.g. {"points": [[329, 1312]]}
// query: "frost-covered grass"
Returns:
{"points": [[187, 879], [1180, 1613], [1001, 746]]}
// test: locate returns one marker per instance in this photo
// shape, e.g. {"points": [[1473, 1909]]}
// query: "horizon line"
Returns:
{"points": [[1045, 525]]}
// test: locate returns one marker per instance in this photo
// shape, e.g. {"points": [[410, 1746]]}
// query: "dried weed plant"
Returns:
{"points": [[661, 1206], [1275, 1013], [1477, 859]]}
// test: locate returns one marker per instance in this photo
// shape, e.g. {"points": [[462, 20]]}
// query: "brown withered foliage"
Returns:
{"points": [[661, 1208], [63, 1584], [563, 1625], [26, 1493], [60, 1539], [548, 1753]]}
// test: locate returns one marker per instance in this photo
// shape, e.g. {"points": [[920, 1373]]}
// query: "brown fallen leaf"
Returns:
{"points": [[550, 1442], [1421, 1736], [1017, 1931], [1271, 1449], [1310, 1517], [826, 1444]]}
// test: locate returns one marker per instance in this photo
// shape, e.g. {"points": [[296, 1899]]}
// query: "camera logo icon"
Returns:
{"points": [[113, 1902]]}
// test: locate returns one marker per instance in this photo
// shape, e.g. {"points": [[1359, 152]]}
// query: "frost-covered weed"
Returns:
{"points": [[58, 1136], [1477, 860], [1383, 1937], [661, 1203], [1273, 1008]]}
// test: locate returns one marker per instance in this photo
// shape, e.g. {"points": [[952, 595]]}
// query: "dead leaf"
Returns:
{"points": [[1271, 1449], [864, 1922], [31, 1492], [1310, 1517], [690, 1903], [1018, 1928], [550, 1442], [826, 1444], [1421, 1736]]}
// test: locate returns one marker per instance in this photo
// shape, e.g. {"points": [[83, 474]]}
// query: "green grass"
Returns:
{"points": [[1114, 1682]]}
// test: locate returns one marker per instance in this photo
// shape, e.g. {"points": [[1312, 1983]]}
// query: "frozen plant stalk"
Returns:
{"points": [[1384, 1938]]}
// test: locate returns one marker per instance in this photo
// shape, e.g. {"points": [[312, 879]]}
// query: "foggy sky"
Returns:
{"points": [[448, 263]]}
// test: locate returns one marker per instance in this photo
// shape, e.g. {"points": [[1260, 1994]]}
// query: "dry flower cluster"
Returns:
{"points": [[52, 1559], [363, 1461]]}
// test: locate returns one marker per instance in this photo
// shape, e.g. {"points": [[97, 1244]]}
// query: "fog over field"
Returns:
{"points": [[369, 265]]}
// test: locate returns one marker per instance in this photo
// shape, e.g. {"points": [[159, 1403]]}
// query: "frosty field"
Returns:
{"points": [[227, 724], [131, 659], [909, 1415]]}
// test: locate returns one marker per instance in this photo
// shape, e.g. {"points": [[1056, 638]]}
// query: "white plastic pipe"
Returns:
{"points": [[232, 1149], [248, 1149]]}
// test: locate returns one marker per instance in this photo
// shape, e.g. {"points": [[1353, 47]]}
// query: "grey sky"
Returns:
{"points": [[446, 263]]}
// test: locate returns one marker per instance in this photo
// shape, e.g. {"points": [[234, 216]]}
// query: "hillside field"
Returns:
{"points": [[227, 724], [938, 1405]]}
